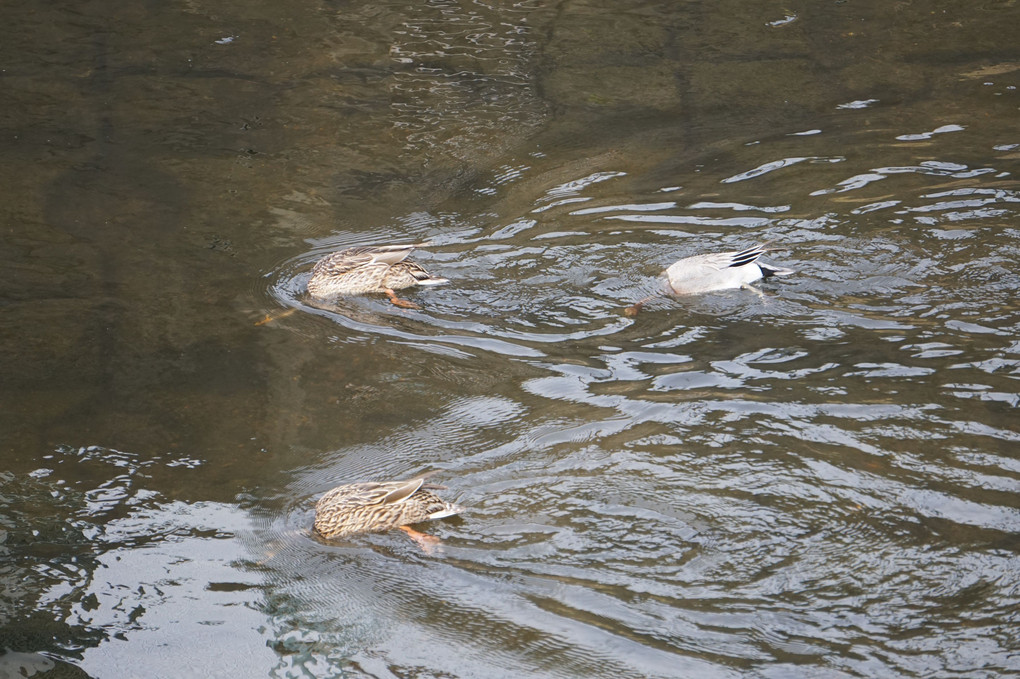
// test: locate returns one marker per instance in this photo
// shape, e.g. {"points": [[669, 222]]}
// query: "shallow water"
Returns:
{"points": [[817, 480]]}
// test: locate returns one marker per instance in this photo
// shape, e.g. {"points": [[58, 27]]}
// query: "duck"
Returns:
{"points": [[377, 506], [721, 271], [368, 269], [716, 271]]}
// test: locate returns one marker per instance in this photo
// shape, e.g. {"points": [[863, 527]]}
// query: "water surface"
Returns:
{"points": [[817, 480]]}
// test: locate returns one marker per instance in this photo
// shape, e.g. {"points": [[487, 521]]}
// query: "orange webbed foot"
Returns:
{"points": [[428, 543], [402, 303], [634, 309], [270, 317]]}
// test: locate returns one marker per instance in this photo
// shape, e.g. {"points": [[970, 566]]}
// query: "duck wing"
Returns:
{"points": [[389, 492], [363, 256], [742, 258]]}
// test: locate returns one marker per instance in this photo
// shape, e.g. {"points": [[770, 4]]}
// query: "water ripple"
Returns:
{"points": [[728, 483]]}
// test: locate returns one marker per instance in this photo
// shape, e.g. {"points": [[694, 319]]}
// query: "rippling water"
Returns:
{"points": [[823, 475], [819, 479]]}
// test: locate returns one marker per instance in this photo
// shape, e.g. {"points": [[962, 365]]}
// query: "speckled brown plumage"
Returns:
{"points": [[372, 507], [367, 269]]}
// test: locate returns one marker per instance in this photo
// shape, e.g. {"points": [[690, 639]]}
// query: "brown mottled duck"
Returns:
{"points": [[368, 269], [372, 507]]}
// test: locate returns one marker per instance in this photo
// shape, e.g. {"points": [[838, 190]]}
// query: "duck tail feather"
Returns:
{"points": [[768, 270], [448, 510], [433, 280]]}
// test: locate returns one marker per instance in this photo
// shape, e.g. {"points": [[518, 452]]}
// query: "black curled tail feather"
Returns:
{"points": [[768, 271]]}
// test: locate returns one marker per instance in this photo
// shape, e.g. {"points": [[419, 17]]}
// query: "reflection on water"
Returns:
{"points": [[817, 480], [103, 562]]}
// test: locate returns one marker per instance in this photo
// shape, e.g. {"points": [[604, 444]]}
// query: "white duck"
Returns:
{"points": [[720, 271], [717, 271]]}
